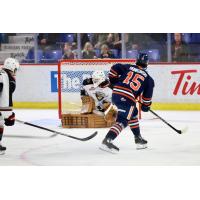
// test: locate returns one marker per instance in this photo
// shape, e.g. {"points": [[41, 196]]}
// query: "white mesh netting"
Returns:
{"points": [[72, 74]]}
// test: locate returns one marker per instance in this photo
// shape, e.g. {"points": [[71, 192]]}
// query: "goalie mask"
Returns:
{"points": [[11, 64], [98, 77]]}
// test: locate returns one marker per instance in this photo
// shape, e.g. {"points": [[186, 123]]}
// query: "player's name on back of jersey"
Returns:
{"points": [[138, 71]]}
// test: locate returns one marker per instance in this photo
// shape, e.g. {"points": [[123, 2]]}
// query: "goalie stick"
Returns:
{"points": [[59, 133], [177, 130]]}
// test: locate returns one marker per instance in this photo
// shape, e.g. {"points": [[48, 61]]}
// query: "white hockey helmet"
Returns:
{"points": [[98, 77], [11, 64]]}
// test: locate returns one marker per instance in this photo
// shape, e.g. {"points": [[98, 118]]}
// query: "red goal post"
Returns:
{"points": [[70, 76]]}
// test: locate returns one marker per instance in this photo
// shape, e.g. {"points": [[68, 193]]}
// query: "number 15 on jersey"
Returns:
{"points": [[134, 80]]}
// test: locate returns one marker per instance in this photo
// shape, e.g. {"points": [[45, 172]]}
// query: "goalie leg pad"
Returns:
{"points": [[88, 105]]}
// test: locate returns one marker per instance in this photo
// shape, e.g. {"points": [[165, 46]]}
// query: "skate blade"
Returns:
{"points": [[105, 148], [141, 146], [2, 152]]}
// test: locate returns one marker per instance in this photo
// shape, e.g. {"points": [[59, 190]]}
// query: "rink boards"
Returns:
{"points": [[177, 86]]}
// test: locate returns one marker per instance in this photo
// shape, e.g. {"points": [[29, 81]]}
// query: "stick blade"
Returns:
{"points": [[184, 130], [90, 137]]}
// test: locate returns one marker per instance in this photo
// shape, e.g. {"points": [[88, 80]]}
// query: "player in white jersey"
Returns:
{"points": [[7, 87], [96, 94]]}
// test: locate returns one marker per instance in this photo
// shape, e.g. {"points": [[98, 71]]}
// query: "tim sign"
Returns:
{"points": [[187, 83]]}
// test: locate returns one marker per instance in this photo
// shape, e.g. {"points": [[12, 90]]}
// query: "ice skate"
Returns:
{"points": [[140, 142], [108, 146], [2, 149]]}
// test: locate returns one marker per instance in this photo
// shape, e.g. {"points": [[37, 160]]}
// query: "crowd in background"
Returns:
{"points": [[93, 45], [184, 48]]}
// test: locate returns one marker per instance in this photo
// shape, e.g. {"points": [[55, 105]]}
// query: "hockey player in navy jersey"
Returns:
{"points": [[129, 82]]}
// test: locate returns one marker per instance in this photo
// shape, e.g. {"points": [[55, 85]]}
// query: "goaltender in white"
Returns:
{"points": [[96, 96], [7, 87]]}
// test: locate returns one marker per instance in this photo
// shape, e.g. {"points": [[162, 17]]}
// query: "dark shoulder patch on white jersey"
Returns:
{"points": [[88, 81]]}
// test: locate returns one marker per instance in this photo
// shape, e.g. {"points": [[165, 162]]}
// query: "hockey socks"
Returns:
{"points": [[115, 130], [134, 125]]}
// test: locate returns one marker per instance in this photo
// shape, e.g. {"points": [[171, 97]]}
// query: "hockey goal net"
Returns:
{"points": [[71, 74]]}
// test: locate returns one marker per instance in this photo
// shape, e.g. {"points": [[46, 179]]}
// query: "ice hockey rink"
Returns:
{"points": [[27, 145]]}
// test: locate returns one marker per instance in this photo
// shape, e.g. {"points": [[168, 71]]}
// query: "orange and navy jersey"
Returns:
{"points": [[130, 82]]}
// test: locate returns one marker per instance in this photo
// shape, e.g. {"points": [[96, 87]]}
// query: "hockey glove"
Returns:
{"points": [[10, 121], [145, 108], [110, 114]]}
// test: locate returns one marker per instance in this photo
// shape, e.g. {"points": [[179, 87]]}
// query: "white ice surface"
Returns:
{"points": [[27, 145]]}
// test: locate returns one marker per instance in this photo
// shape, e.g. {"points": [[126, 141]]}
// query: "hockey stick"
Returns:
{"points": [[59, 133], [177, 130], [30, 137]]}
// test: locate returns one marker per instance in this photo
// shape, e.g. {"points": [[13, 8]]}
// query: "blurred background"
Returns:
{"points": [[51, 47]]}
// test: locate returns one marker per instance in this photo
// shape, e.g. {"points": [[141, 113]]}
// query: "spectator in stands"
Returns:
{"points": [[99, 39], [88, 52], [48, 41], [84, 39], [110, 41], [105, 52], [114, 41], [117, 41], [68, 54], [180, 51]]}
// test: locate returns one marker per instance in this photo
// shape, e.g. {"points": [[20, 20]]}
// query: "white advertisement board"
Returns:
{"points": [[35, 84], [174, 83]]}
